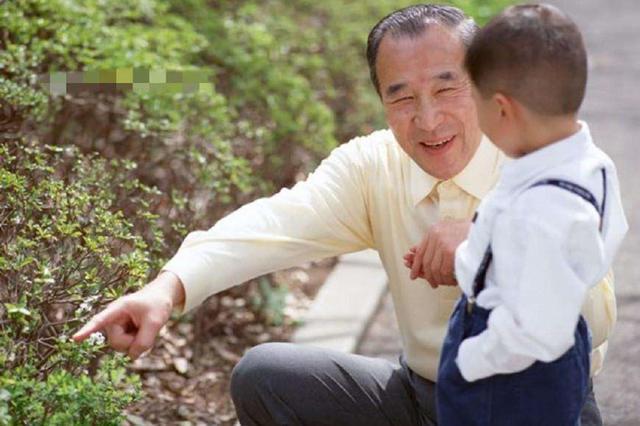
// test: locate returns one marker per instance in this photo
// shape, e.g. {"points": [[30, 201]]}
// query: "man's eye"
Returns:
{"points": [[406, 98], [445, 89]]}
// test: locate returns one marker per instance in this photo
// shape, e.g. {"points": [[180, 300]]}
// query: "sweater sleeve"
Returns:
{"points": [[323, 216]]}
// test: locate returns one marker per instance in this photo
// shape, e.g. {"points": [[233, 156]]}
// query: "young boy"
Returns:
{"points": [[517, 349]]}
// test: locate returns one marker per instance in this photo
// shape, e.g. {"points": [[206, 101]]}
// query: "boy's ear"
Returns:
{"points": [[505, 105]]}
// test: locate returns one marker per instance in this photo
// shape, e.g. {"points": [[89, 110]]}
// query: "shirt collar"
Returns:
{"points": [[477, 178], [422, 183], [516, 172]]}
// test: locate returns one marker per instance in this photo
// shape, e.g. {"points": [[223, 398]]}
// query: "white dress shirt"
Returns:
{"points": [[548, 252]]}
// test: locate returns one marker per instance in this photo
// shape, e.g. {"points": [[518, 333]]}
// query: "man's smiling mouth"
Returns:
{"points": [[437, 145]]}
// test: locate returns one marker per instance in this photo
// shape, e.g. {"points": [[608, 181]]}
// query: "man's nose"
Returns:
{"points": [[428, 115]]}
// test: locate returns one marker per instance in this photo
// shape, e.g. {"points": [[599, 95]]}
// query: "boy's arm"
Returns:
{"points": [[325, 215]]}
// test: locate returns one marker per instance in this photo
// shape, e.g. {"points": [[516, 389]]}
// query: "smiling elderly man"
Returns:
{"points": [[423, 178]]}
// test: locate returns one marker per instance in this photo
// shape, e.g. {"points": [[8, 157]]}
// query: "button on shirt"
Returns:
{"points": [[548, 251], [367, 193]]}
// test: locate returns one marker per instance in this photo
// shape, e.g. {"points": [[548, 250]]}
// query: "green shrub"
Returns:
{"points": [[75, 235], [180, 143], [64, 398], [218, 149]]}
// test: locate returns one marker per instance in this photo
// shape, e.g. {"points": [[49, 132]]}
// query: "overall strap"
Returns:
{"points": [[478, 281], [580, 191]]}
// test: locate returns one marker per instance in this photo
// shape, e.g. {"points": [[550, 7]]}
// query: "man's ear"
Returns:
{"points": [[506, 106]]}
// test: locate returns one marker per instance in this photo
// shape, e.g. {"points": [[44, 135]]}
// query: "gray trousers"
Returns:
{"points": [[290, 384]]}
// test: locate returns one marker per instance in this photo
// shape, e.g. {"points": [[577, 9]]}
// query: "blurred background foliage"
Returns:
{"points": [[290, 82], [290, 78]]}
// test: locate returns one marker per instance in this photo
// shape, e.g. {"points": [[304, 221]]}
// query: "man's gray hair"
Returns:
{"points": [[412, 21]]}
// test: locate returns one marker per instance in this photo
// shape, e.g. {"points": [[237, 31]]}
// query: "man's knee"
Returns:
{"points": [[260, 362]]}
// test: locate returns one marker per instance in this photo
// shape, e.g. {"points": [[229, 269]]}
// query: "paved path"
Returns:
{"points": [[612, 108]]}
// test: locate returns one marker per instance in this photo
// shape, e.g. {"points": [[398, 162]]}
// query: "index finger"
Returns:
{"points": [[99, 321]]}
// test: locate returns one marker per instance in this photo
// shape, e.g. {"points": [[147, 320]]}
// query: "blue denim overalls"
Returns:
{"points": [[545, 394]]}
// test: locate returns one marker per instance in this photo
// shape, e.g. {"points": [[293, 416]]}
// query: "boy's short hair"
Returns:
{"points": [[533, 53]]}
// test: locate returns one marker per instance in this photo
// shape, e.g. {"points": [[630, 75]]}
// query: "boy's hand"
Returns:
{"points": [[433, 258]]}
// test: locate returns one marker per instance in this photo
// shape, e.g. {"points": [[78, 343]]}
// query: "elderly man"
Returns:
{"points": [[423, 178]]}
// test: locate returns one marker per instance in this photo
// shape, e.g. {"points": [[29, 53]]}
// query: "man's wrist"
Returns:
{"points": [[172, 285]]}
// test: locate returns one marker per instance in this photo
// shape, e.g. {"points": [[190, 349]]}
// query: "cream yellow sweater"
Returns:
{"points": [[367, 194]]}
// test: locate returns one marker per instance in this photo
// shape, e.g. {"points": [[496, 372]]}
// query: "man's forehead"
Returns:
{"points": [[435, 55]]}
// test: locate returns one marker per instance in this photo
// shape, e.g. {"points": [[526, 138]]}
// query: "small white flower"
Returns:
{"points": [[87, 305], [96, 339], [84, 307]]}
